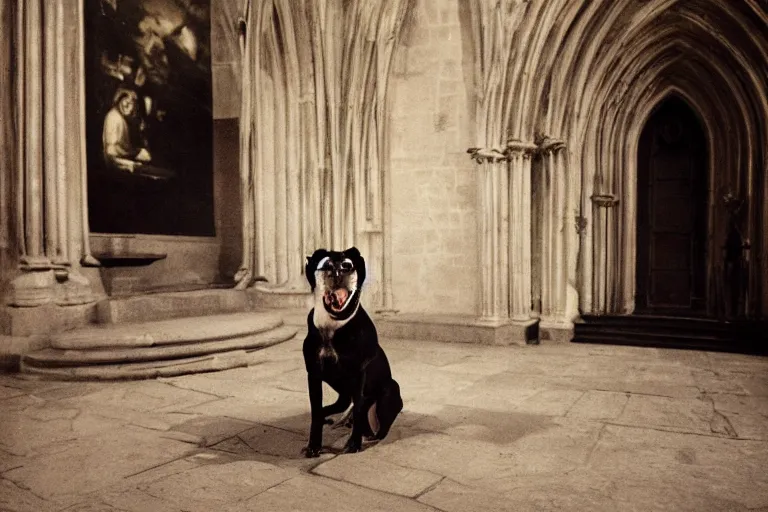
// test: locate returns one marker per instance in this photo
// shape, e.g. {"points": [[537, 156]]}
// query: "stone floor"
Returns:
{"points": [[551, 427]]}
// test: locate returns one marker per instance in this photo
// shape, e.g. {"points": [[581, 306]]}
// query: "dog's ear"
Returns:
{"points": [[357, 259], [310, 265]]}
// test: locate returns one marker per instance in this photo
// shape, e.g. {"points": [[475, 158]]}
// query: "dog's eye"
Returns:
{"points": [[346, 266]]}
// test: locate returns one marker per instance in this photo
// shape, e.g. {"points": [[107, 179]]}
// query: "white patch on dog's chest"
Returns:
{"points": [[327, 327], [328, 352]]}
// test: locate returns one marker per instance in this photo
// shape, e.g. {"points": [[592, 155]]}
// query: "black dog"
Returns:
{"points": [[342, 349]]}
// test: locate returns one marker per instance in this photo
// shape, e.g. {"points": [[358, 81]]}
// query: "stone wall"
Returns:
{"points": [[434, 195], [225, 58]]}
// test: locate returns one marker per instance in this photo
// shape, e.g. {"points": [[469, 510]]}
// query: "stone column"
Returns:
{"points": [[555, 219], [519, 154], [494, 227], [7, 134], [602, 282], [504, 188], [45, 274], [34, 286]]}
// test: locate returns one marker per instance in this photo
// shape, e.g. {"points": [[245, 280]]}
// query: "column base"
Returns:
{"points": [[74, 290], [32, 288], [46, 319], [555, 330], [13, 347]]}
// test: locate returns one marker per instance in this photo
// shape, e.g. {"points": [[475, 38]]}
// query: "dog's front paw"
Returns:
{"points": [[352, 446], [311, 452]]}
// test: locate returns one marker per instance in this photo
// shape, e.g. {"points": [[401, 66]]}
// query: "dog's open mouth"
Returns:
{"points": [[336, 299]]}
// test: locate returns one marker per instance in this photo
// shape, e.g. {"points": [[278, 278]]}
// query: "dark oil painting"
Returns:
{"points": [[149, 122]]}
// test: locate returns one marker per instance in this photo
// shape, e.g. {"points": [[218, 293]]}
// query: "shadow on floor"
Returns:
{"points": [[281, 441]]}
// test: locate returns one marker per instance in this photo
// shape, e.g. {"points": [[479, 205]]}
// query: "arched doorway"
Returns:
{"points": [[672, 194]]}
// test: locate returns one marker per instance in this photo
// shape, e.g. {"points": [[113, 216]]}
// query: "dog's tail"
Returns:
{"points": [[345, 420]]}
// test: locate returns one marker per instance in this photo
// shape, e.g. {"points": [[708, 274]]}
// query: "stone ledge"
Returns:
{"points": [[160, 306], [265, 297], [456, 329]]}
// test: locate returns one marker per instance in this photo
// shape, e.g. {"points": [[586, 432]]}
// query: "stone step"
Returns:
{"points": [[146, 370], [167, 332], [160, 306], [746, 336], [160, 348], [51, 357]]}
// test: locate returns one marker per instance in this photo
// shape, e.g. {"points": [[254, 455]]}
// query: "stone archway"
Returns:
{"points": [[671, 270], [581, 80], [603, 68]]}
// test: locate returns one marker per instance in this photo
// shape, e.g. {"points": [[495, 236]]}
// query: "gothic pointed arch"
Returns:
{"points": [[589, 74], [313, 148]]}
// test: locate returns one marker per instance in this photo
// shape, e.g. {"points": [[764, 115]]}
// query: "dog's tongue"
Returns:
{"points": [[336, 298]]}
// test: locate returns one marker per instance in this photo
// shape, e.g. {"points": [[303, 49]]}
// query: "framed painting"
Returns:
{"points": [[149, 121]]}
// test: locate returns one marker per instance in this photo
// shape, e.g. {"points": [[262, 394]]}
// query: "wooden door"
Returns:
{"points": [[672, 212]]}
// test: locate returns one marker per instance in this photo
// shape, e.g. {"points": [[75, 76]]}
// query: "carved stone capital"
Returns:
{"points": [[605, 200], [547, 145], [517, 147], [481, 155]]}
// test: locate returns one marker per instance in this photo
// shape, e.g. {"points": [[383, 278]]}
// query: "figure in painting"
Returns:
{"points": [[124, 147]]}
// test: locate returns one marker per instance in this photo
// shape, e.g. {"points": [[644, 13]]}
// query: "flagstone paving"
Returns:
{"points": [[549, 427]]}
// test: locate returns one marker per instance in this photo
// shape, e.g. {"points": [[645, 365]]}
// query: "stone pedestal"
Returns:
{"points": [[555, 331], [45, 319]]}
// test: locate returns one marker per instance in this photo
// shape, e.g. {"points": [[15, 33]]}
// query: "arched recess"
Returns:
{"points": [[671, 217], [593, 73], [313, 148]]}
